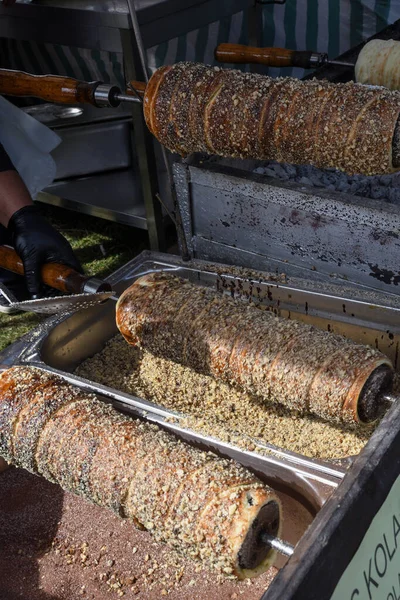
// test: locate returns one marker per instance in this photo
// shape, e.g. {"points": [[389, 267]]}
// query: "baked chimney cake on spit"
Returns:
{"points": [[191, 107], [279, 360], [207, 508]]}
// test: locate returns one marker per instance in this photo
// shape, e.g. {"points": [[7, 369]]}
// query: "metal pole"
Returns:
{"points": [[142, 55], [143, 149], [138, 38], [277, 544]]}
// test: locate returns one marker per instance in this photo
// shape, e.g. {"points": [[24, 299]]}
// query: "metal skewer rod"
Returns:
{"points": [[277, 544], [389, 398], [341, 63], [128, 98]]}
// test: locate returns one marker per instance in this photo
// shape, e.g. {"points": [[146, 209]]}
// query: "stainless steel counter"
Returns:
{"points": [[77, 34]]}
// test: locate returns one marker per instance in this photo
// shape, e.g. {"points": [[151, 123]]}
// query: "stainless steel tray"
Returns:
{"points": [[62, 343]]}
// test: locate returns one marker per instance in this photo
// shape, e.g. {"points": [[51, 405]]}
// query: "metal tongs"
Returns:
{"points": [[82, 291]]}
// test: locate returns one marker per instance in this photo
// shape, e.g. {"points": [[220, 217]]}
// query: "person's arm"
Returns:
{"points": [[13, 195], [13, 192], [34, 239]]}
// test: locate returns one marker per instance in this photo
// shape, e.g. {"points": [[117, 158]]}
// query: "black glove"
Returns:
{"points": [[36, 242]]}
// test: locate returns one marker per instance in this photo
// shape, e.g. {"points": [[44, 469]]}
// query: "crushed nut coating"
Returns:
{"points": [[182, 495], [192, 107], [279, 360], [215, 408]]}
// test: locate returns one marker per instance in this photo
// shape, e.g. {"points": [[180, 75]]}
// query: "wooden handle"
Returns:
{"points": [[272, 57], [51, 88], [57, 276], [139, 86]]}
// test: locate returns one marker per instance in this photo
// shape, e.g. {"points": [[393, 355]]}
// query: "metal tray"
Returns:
{"points": [[233, 215], [63, 342]]}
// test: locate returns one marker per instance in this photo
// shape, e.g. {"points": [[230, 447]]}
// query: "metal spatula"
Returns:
{"points": [[82, 291]]}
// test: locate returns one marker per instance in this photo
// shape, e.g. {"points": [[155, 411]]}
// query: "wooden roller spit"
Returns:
{"points": [[191, 107], [280, 360], [66, 90], [57, 276], [205, 507]]}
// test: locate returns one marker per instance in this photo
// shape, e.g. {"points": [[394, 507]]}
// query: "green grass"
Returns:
{"points": [[101, 246]]}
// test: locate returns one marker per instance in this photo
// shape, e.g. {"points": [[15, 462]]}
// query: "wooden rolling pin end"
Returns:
{"points": [[237, 53], [51, 88], [270, 57], [61, 277]]}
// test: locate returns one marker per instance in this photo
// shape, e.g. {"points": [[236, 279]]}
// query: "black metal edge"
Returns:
{"points": [[322, 555]]}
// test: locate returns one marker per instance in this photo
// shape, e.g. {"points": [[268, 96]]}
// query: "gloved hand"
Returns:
{"points": [[37, 242]]}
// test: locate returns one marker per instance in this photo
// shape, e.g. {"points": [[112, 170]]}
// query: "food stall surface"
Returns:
{"points": [[63, 547]]}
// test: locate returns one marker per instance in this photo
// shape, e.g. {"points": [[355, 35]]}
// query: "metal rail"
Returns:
{"points": [[142, 55], [277, 544]]}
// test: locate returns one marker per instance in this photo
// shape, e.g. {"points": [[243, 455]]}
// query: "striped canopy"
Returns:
{"points": [[331, 26]]}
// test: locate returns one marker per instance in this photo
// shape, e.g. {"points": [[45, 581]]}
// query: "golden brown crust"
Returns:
{"points": [[204, 91], [157, 302], [232, 503], [282, 361], [181, 107], [335, 391], [246, 124], [163, 123], [151, 95], [268, 378], [32, 418], [230, 113], [55, 440], [302, 143], [350, 411], [128, 466], [373, 135], [20, 394]]}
